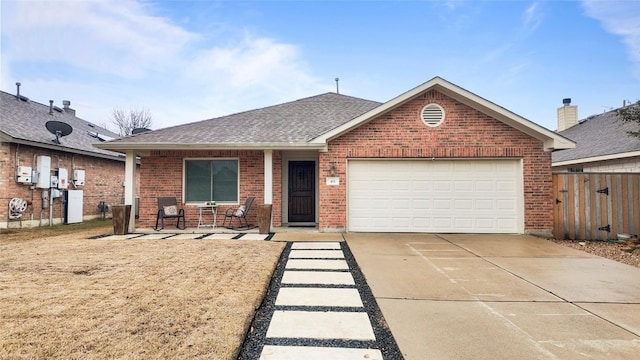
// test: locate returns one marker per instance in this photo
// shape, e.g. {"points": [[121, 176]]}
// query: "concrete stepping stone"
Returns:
{"points": [[119, 237], [220, 237], [318, 297], [272, 352], [334, 245], [316, 254], [320, 325], [317, 278], [317, 264], [253, 237], [160, 236], [185, 236]]}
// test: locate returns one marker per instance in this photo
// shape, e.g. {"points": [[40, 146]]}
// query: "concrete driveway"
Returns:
{"points": [[500, 297]]}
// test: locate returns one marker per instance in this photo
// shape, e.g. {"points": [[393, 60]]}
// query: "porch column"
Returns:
{"points": [[268, 176], [130, 187]]}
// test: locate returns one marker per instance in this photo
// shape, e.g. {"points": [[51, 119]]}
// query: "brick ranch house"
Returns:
{"points": [[25, 141], [437, 158]]}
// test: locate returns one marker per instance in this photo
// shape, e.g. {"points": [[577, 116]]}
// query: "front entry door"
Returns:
{"points": [[302, 190]]}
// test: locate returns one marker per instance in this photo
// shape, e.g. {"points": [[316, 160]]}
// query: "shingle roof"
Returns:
{"points": [[290, 123], [599, 135], [24, 122]]}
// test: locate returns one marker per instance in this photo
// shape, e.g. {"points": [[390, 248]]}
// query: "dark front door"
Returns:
{"points": [[302, 190]]}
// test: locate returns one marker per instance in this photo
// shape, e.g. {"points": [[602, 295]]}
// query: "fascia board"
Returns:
{"points": [[123, 147], [65, 149], [597, 158]]}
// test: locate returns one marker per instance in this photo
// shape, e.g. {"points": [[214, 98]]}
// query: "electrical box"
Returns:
{"points": [[63, 178], [78, 177], [53, 181], [23, 174], [55, 193], [43, 168]]}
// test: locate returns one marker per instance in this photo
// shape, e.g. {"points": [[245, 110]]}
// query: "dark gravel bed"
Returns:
{"points": [[256, 337]]}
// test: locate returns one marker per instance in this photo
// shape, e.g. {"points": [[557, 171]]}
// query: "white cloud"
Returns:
{"points": [[118, 54], [114, 37], [621, 18], [532, 18]]}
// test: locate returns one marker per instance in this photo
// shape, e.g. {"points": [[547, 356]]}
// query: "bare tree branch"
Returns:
{"points": [[127, 120]]}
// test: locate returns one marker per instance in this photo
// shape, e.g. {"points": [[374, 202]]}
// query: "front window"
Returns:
{"points": [[207, 180]]}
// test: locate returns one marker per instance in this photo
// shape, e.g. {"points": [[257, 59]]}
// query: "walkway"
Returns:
{"points": [[318, 307]]}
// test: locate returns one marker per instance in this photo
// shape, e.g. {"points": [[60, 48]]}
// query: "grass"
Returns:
{"points": [[63, 296]]}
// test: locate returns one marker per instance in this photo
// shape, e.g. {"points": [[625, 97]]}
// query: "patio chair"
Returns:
{"points": [[239, 213], [168, 209]]}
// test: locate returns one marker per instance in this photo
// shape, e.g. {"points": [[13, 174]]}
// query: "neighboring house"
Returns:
{"points": [[437, 158], [30, 155], [602, 143]]}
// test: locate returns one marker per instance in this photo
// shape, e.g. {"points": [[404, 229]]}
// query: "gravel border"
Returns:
{"points": [[255, 339]]}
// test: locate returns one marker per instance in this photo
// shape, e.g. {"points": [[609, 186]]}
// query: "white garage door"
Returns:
{"points": [[460, 196]]}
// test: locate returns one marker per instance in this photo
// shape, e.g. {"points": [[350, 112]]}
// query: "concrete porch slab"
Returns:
{"points": [[271, 352], [327, 325], [318, 277], [306, 236], [288, 296]]}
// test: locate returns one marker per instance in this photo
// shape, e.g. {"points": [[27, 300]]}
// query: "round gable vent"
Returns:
{"points": [[432, 115]]}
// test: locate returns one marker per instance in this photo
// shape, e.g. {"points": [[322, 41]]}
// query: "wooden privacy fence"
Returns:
{"points": [[596, 206]]}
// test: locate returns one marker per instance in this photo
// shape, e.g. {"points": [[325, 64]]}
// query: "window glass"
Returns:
{"points": [[211, 180], [225, 184]]}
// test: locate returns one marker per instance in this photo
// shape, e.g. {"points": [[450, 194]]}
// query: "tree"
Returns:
{"points": [[126, 121], [630, 113]]}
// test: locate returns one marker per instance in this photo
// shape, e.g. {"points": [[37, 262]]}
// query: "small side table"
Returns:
{"points": [[202, 209]]}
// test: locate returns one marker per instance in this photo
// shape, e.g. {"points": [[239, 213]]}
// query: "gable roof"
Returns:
{"points": [[311, 122], [551, 140], [599, 137], [22, 121], [289, 125]]}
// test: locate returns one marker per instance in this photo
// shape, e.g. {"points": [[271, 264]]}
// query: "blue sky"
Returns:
{"points": [[191, 60]]}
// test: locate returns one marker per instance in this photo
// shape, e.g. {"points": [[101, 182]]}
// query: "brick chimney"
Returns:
{"points": [[567, 115]]}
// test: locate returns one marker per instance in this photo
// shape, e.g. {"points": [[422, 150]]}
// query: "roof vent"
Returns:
{"points": [[566, 101], [432, 115], [18, 96]]}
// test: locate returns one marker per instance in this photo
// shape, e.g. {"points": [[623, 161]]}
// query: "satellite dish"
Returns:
{"points": [[58, 128], [139, 131]]}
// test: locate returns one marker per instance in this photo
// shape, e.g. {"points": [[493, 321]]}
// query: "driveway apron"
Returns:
{"points": [[500, 297]]}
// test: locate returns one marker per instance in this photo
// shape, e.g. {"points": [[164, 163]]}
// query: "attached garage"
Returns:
{"points": [[448, 196]]}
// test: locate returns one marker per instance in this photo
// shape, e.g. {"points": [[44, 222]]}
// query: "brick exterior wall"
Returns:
{"points": [[104, 179], [465, 133], [162, 175]]}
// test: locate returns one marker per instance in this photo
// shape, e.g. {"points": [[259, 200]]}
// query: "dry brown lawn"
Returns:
{"points": [[68, 297]]}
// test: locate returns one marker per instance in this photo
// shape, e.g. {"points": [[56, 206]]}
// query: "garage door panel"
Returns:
{"points": [[435, 196]]}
